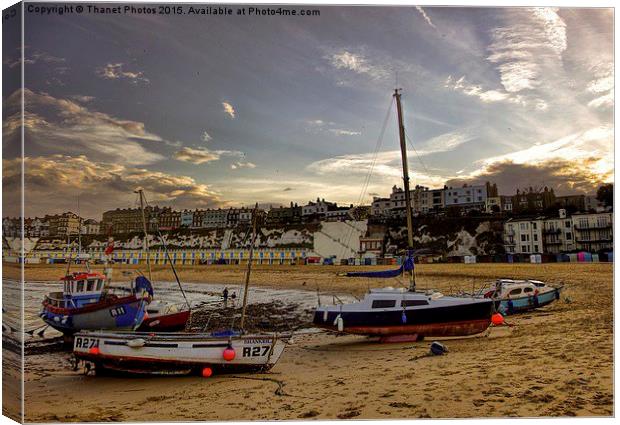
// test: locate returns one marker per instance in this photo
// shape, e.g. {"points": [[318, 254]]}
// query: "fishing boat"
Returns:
{"points": [[183, 352], [406, 313], [165, 353], [520, 295], [87, 303]]}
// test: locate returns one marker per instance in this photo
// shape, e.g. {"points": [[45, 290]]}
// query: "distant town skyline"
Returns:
{"points": [[228, 111]]}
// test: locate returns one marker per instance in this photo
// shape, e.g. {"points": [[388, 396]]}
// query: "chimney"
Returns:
{"points": [[562, 213]]}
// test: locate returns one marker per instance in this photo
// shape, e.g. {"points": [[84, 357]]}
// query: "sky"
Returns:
{"points": [[220, 111]]}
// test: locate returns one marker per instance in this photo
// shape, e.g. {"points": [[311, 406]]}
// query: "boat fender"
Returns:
{"points": [[94, 351], [64, 321], [339, 322], [403, 317], [497, 319], [229, 353], [136, 343], [56, 319], [207, 372], [325, 316], [438, 349]]}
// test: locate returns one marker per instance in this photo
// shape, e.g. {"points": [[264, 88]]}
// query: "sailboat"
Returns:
{"points": [[184, 352], [406, 313]]}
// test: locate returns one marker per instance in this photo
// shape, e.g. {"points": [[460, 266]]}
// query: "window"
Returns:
{"points": [[522, 238], [523, 248], [567, 224], [99, 284], [80, 285], [535, 237], [526, 290], [534, 226], [569, 235], [383, 303], [516, 291], [409, 303], [535, 248], [90, 285]]}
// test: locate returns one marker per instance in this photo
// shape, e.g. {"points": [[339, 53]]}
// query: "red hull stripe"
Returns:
{"points": [[460, 328]]}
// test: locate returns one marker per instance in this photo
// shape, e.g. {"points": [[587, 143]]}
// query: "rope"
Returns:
{"points": [[371, 169]]}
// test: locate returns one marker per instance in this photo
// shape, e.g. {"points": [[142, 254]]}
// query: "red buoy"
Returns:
{"points": [[229, 354], [206, 372], [94, 350], [497, 319]]}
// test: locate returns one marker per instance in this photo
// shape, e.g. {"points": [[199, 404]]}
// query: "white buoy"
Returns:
{"points": [[136, 343], [340, 323]]}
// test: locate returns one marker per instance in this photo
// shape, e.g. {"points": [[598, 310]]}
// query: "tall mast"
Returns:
{"points": [[249, 269], [146, 236], [403, 152]]}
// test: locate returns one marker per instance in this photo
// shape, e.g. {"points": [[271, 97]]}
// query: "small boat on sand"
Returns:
{"points": [[520, 295], [180, 353], [87, 303]]}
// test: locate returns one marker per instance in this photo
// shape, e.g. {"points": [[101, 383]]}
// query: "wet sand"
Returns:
{"points": [[557, 361]]}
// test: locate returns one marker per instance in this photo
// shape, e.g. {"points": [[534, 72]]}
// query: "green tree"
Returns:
{"points": [[605, 194]]}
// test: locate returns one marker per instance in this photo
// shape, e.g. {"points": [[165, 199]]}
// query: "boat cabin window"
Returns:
{"points": [[99, 284], [90, 285], [515, 291], [80, 286], [383, 303], [67, 287], [409, 303], [526, 290]]}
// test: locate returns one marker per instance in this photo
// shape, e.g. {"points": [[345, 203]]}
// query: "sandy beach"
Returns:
{"points": [[557, 361]]}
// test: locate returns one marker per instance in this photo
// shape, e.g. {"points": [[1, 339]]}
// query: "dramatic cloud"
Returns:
{"points": [[33, 58], [602, 86], [203, 155], [228, 108], [425, 16], [578, 162], [114, 71], [241, 164], [54, 125], [358, 63], [102, 185], [560, 175]]}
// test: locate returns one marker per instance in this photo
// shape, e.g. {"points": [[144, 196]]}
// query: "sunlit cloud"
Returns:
{"points": [[228, 109], [56, 125], [108, 185], [115, 71]]}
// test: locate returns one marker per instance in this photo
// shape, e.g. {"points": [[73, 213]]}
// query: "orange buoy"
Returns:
{"points": [[206, 372], [229, 354], [497, 319], [94, 350]]}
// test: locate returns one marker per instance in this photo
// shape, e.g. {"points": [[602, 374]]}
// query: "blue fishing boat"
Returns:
{"points": [[86, 303], [521, 295]]}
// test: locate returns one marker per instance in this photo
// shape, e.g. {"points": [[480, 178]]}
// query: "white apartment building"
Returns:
{"points": [[524, 235], [466, 196], [555, 235], [213, 219], [90, 227], [558, 234], [593, 232]]}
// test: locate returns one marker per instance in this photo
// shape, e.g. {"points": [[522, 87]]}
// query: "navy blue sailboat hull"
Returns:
{"points": [[451, 320]]}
